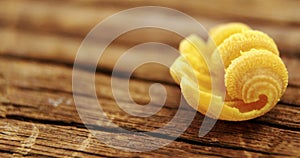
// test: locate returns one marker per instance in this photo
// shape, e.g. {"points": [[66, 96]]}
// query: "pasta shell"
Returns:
{"points": [[255, 76], [221, 32]]}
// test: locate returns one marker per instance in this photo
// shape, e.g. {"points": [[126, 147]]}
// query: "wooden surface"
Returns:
{"points": [[38, 44]]}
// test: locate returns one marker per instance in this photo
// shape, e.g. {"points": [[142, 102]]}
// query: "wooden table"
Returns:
{"points": [[38, 45]]}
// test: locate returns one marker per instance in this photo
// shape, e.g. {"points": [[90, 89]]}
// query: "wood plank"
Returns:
{"points": [[281, 11], [291, 96], [292, 64], [41, 112], [77, 20], [69, 21], [38, 117], [71, 141], [41, 75], [223, 134], [50, 47], [23, 102]]}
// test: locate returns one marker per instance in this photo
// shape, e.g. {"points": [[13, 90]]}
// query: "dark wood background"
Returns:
{"points": [[38, 44]]}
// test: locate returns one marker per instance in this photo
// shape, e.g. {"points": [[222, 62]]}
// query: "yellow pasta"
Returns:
{"points": [[255, 76]]}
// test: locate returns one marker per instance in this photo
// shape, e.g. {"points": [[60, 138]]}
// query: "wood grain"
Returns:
{"points": [[70, 141], [56, 98], [77, 20], [63, 50], [280, 11], [38, 117]]}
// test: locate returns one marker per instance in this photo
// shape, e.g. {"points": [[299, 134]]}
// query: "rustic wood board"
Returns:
{"points": [[38, 117]]}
